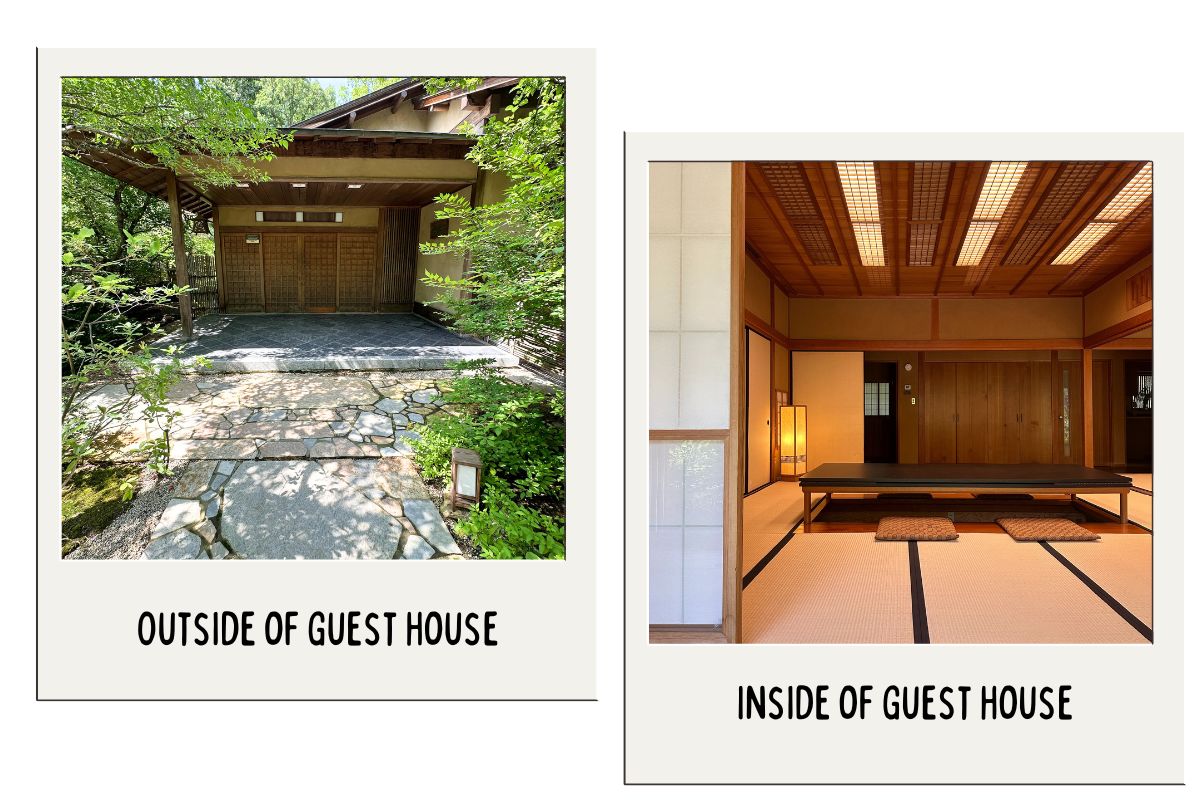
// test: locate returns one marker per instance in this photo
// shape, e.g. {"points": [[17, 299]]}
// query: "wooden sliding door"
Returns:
{"points": [[1005, 394], [758, 410], [281, 271]]}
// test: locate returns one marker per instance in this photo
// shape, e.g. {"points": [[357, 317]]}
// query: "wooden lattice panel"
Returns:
{"points": [[1004, 229], [356, 272], [398, 237], [320, 271], [929, 182], [1073, 179], [795, 196], [241, 273], [1114, 247], [281, 271]]}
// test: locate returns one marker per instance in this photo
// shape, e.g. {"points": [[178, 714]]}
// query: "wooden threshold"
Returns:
{"points": [[687, 634]]}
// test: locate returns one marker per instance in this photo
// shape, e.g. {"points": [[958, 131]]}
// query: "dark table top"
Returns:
{"points": [[950, 475]]}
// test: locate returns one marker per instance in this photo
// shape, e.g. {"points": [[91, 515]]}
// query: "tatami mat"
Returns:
{"points": [[831, 588], [986, 589], [774, 509], [1121, 565]]}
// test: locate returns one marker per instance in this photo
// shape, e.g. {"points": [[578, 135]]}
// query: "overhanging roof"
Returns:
{"points": [[406, 90], [141, 172]]}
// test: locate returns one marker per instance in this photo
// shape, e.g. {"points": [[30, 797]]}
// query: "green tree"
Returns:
{"points": [[243, 90], [357, 87], [283, 102], [185, 124], [516, 284]]}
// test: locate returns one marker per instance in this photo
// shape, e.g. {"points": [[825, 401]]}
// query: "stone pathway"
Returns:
{"points": [[297, 465]]}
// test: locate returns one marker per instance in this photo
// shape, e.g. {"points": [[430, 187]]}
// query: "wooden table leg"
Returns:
{"points": [[807, 512], [1124, 508]]}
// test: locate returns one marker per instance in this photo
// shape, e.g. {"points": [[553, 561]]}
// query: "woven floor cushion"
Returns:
{"points": [[915, 529], [1045, 529]]}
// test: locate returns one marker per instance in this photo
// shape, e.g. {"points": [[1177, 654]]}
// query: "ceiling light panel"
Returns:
{"points": [[862, 202], [1132, 195], [998, 187], [1087, 238]]}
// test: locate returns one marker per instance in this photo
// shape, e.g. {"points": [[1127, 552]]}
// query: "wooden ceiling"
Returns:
{"points": [[334, 193], [799, 229]]}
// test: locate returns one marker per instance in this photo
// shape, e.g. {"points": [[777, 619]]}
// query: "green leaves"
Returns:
{"points": [[516, 285], [519, 432]]}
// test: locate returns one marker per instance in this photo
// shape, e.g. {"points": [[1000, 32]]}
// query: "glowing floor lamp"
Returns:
{"points": [[793, 440]]}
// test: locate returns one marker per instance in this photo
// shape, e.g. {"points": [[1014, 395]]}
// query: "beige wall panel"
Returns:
{"points": [[1107, 304], [352, 168], [352, 216], [831, 386], [782, 312], [757, 291], [447, 265], [1025, 318], [820, 318]]}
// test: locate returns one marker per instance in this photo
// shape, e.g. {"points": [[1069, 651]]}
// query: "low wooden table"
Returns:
{"points": [[1067, 479]]}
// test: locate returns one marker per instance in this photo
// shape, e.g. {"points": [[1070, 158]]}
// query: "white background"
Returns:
{"points": [[1017, 66]]}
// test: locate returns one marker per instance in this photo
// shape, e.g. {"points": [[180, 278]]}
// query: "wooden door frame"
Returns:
{"points": [[746, 490]]}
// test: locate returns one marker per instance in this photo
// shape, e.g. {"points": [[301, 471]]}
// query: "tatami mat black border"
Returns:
{"points": [[1112, 602], [920, 617]]}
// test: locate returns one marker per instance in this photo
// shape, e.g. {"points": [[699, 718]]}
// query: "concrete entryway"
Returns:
{"points": [[294, 342]]}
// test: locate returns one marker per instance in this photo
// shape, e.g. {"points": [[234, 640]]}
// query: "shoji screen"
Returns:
{"points": [[689, 387]]}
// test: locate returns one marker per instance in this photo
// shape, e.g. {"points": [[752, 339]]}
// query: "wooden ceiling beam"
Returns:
{"points": [[1113, 235], [1045, 180], [966, 183], [827, 192], [772, 271], [758, 183], [1112, 177]]}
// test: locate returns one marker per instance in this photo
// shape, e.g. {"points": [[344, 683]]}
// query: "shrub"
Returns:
{"points": [[519, 432], [103, 342]]}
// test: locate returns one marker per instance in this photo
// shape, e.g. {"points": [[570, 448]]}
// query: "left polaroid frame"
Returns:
{"points": [[542, 613]]}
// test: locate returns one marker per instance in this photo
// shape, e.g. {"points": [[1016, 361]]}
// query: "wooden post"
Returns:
{"points": [[181, 276], [735, 463], [1089, 437], [218, 259]]}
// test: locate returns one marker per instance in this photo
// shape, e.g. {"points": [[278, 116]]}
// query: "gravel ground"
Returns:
{"points": [[127, 535]]}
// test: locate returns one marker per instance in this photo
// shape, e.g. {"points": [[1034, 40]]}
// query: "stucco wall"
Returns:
{"points": [[1106, 305], [447, 265]]}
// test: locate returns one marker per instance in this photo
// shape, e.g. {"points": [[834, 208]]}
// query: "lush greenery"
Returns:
{"points": [[188, 125], [519, 432], [104, 341], [516, 284]]}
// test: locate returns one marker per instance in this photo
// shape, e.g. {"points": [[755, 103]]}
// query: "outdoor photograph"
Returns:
{"points": [[901, 402], [313, 318]]}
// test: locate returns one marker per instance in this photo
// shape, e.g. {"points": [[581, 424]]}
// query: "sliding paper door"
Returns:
{"points": [[758, 410]]}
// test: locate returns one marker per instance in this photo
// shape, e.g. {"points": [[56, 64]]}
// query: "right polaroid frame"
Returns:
{"points": [[899, 391]]}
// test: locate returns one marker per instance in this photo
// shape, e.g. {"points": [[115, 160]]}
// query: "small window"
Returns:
{"points": [[439, 228], [298, 216], [877, 399]]}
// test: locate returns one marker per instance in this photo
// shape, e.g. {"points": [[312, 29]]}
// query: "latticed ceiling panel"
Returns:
{"points": [[795, 196], [951, 228], [928, 204]]}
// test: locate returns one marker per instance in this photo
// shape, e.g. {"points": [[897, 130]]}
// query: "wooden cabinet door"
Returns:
{"points": [[1038, 415], [972, 407], [940, 443], [1005, 387]]}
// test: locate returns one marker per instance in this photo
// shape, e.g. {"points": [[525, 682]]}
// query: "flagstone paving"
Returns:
{"points": [[298, 466]]}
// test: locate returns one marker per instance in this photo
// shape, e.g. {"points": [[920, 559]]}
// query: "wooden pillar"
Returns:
{"points": [[1089, 433], [181, 277], [218, 259], [735, 466]]}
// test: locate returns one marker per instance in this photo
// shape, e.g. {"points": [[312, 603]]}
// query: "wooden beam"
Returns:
{"points": [[1089, 433], [762, 188], [688, 434], [1120, 329], [219, 260], [735, 456], [181, 276], [940, 344]]}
